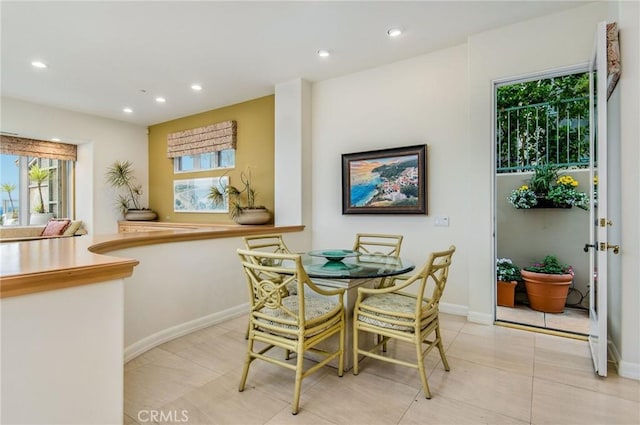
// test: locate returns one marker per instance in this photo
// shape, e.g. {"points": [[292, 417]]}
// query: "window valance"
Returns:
{"points": [[211, 138], [13, 145]]}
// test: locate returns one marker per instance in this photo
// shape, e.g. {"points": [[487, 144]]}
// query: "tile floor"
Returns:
{"points": [[498, 376], [571, 320]]}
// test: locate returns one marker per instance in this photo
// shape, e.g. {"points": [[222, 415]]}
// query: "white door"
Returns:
{"points": [[601, 209]]}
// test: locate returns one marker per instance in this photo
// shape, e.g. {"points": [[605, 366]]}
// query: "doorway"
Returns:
{"points": [[542, 126]]}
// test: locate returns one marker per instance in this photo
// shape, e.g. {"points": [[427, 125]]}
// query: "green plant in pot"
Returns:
{"points": [[120, 175], [547, 188], [243, 208], [507, 276], [10, 187], [39, 176], [547, 283]]}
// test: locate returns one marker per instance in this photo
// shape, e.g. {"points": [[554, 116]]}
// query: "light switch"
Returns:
{"points": [[442, 221]]}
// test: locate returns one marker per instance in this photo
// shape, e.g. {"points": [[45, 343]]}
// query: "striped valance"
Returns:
{"points": [[13, 145], [212, 138]]}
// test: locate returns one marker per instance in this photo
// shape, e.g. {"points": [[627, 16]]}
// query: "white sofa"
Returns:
{"points": [[26, 233]]}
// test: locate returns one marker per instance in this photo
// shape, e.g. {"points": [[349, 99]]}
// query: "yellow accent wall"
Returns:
{"points": [[255, 149]]}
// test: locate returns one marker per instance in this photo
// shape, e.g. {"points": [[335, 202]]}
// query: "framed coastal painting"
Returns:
{"points": [[387, 181], [192, 195]]}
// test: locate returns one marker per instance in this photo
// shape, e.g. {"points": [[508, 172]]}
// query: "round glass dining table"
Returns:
{"points": [[346, 264]]}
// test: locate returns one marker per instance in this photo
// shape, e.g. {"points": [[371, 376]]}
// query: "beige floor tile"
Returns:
{"points": [[445, 411], [490, 388], [402, 374], [220, 402], [194, 338], [451, 322], [128, 420], [304, 417], [279, 381], [504, 348], [238, 324], [559, 404], [571, 320], [221, 354], [520, 314], [362, 399], [168, 377]]}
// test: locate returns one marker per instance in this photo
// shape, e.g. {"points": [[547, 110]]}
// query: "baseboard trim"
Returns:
{"points": [[145, 344], [455, 309], [625, 369], [481, 318]]}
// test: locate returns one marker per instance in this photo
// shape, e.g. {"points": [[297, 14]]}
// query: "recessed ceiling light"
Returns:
{"points": [[55, 139], [323, 53], [39, 64], [394, 32], [127, 110], [160, 99], [196, 87]]}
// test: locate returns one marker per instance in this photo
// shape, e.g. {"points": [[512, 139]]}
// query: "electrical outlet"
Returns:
{"points": [[442, 221]]}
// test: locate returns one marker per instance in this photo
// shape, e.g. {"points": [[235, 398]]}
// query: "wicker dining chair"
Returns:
{"points": [[378, 243], [295, 323], [394, 314]]}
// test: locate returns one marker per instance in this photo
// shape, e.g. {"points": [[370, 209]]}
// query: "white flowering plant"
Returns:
{"points": [[523, 197], [506, 271]]}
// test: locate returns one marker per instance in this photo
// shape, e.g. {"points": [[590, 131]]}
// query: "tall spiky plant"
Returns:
{"points": [[120, 175], [9, 187], [39, 176]]}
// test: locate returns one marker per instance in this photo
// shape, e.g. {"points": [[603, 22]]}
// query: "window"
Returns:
{"points": [[20, 196], [205, 161]]}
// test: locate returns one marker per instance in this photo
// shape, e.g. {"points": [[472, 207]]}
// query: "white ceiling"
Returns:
{"points": [[105, 55]]}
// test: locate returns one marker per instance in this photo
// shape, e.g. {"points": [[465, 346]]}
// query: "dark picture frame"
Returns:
{"points": [[386, 181]]}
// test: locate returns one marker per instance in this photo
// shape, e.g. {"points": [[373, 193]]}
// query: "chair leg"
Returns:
{"points": [[423, 375], [355, 346], [296, 391], [341, 347], [247, 363], [441, 349]]}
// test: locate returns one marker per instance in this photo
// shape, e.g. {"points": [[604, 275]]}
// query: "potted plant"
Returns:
{"points": [[38, 176], [121, 177], [242, 201], [508, 275], [547, 284], [9, 187], [548, 189]]}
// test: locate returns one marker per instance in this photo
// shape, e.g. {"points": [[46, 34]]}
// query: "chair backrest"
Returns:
{"points": [[435, 271], [377, 243], [268, 275], [266, 243]]}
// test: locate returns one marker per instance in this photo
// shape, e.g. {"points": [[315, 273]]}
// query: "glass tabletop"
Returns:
{"points": [[354, 267]]}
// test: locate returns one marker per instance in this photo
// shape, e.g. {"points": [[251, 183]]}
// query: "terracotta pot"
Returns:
{"points": [[547, 292], [253, 216], [506, 293]]}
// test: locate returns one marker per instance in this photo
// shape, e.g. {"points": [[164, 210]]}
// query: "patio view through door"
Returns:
{"points": [[567, 130], [542, 121]]}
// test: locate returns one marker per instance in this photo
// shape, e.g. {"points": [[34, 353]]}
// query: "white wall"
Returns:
{"points": [[62, 356], [423, 100], [625, 313], [100, 142], [183, 286], [560, 40]]}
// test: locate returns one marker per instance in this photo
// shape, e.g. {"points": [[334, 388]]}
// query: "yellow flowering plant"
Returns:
{"points": [[547, 188]]}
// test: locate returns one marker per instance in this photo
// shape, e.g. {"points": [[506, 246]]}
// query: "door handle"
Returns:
{"points": [[605, 246], [587, 246]]}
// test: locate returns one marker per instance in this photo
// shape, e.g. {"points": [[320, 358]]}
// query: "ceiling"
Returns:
{"points": [[103, 56]]}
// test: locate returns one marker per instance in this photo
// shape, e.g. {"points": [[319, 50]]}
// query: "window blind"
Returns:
{"points": [[211, 138], [13, 145]]}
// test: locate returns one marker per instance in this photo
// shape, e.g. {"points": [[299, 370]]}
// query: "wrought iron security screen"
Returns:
{"points": [[544, 121]]}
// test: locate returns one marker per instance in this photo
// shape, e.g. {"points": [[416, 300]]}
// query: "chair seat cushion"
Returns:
{"points": [[314, 309], [393, 303]]}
